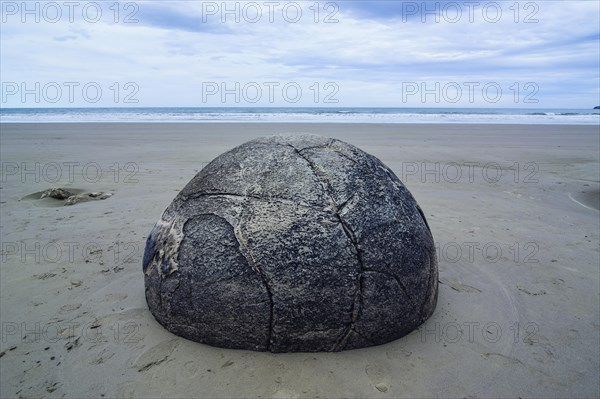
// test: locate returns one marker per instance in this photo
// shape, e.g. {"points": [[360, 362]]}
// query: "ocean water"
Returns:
{"points": [[316, 115]]}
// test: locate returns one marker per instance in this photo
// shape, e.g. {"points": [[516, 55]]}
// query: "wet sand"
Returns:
{"points": [[513, 210]]}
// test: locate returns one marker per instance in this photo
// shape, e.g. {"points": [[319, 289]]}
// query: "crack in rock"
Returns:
{"points": [[345, 203], [249, 255], [423, 217], [354, 161], [397, 280], [432, 274], [357, 300], [267, 198], [397, 184]]}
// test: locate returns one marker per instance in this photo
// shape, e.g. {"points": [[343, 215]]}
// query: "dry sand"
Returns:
{"points": [[513, 210]]}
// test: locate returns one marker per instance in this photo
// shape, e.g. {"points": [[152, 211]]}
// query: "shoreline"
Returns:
{"points": [[376, 115], [183, 123]]}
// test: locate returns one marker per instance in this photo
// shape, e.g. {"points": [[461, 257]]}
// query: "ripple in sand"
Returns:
{"points": [[587, 199]]}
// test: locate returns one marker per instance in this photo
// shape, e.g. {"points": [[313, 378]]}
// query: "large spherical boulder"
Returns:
{"points": [[292, 243]]}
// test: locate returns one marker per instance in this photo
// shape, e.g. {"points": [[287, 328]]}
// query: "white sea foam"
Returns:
{"points": [[189, 115]]}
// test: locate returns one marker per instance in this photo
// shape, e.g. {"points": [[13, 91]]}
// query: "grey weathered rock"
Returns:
{"points": [[76, 199], [292, 243], [57, 193]]}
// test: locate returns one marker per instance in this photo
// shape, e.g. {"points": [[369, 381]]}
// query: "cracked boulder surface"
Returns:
{"points": [[292, 243]]}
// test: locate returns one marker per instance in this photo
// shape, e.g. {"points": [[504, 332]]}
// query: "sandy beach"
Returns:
{"points": [[514, 214]]}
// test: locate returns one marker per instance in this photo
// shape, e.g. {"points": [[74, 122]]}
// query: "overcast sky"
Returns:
{"points": [[542, 54]]}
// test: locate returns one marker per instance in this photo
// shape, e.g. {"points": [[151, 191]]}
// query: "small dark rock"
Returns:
{"points": [[289, 244]]}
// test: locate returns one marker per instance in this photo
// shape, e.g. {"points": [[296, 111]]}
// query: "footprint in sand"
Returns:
{"points": [[531, 292], [68, 308], [156, 355], [286, 394], [378, 376], [457, 286], [503, 360], [115, 297]]}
